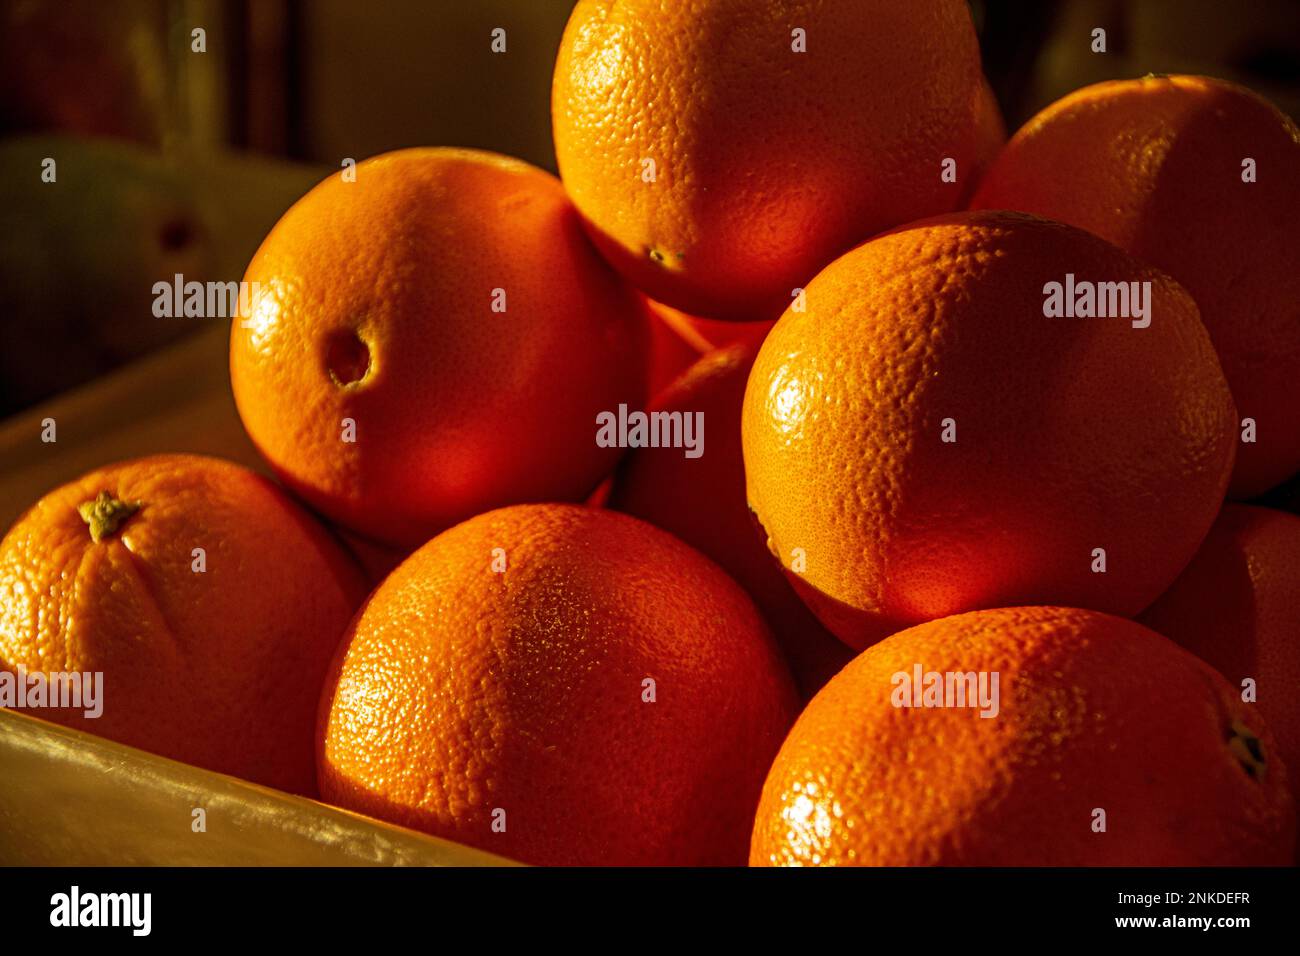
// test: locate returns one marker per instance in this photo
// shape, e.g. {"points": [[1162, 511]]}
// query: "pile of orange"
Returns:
{"points": [[784, 483]]}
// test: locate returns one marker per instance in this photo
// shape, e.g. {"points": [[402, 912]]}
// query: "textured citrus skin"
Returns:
{"points": [[768, 163], [1155, 166], [1237, 607], [702, 501], [221, 669], [462, 690], [1095, 712], [1071, 433], [460, 408]]}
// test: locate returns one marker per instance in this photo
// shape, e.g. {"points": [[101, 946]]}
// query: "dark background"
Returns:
{"points": [[178, 161]]}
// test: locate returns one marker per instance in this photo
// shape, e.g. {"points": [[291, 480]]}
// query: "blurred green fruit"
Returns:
{"points": [[79, 256]]}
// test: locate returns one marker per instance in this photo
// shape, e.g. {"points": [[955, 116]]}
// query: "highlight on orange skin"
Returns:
{"points": [[432, 340], [1105, 744], [210, 602], [938, 327]]}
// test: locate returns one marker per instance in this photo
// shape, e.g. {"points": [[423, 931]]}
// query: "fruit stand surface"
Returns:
{"points": [[72, 799]]}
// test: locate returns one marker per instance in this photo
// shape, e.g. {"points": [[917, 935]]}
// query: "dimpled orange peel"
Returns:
{"points": [[1200, 178], [923, 439], [209, 601], [559, 685], [432, 338], [722, 151], [1047, 737]]}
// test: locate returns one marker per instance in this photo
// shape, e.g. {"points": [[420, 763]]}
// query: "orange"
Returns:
{"points": [[1105, 745], [714, 333], [678, 340], [674, 346], [611, 697], [1156, 166], [209, 601], [1237, 606], [719, 168], [446, 312], [702, 501], [923, 440]]}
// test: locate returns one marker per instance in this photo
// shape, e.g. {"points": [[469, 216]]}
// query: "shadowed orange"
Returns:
{"points": [[702, 501], [1158, 166], [1237, 607]]}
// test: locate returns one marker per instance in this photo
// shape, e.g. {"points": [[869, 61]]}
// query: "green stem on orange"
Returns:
{"points": [[105, 514]]}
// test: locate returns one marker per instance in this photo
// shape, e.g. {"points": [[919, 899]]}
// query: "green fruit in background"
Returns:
{"points": [[79, 256], [239, 198]]}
